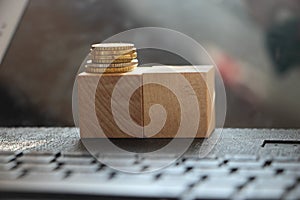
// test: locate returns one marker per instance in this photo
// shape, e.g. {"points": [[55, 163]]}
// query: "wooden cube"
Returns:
{"points": [[95, 101], [166, 86], [190, 82]]}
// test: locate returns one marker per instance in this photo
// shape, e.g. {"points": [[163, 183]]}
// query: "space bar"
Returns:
{"points": [[69, 190]]}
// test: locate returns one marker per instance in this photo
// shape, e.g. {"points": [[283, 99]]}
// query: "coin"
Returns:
{"points": [[114, 57], [111, 61], [110, 52], [90, 69], [111, 58], [93, 64], [112, 46]]}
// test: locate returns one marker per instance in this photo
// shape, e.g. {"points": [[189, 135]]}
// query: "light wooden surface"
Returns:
{"points": [[199, 85], [164, 89], [95, 105]]}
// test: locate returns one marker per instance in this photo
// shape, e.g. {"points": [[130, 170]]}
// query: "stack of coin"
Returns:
{"points": [[112, 58]]}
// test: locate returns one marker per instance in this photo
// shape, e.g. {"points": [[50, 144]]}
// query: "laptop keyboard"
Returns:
{"points": [[232, 176]]}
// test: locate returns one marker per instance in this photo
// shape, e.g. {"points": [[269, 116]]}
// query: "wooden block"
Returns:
{"points": [[191, 86], [152, 89], [95, 93]]}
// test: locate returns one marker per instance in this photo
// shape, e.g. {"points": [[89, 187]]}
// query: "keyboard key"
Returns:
{"points": [[134, 179], [241, 157], [8, 153], [232, 181], [80, 168], [159, 156], [202, 163], [262, 193], [286, 165], [43, 176], [144, 185], [76, 154], [129, 168], [245, 164], [202, 192], [211, 157], [264, 172], [158, 163], [174, 170], [75, 160], [152, 169], [39, 167], [144, 191], [274, 182], [40, 153], [284, 159], [210, 172], [116, 156], [7, 158], [7, 166], [117, 162], [177, 180], [10, 175], [36, 158], [88, 177]]}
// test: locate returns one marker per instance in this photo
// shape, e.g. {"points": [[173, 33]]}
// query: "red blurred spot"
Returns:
{"points": [[229, 70]]}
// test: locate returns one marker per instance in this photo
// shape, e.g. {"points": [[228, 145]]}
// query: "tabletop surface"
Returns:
{"points": [[227, 141]]}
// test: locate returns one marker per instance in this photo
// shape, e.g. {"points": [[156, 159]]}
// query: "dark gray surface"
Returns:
{"points": [[40, 139], [233, 176], [232, 141]]}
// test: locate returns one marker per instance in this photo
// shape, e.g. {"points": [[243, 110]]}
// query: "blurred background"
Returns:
{"points": [[256, 45]]}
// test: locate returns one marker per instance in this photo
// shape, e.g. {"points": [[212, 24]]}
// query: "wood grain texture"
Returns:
{"points": [[95, 105], [95, 93], [202, 84]]}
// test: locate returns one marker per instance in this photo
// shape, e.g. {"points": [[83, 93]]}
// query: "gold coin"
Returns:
{"points": [[115, 57], [112, 46], [109, 52], [114, 61], [90, 69], [94, 64]]}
